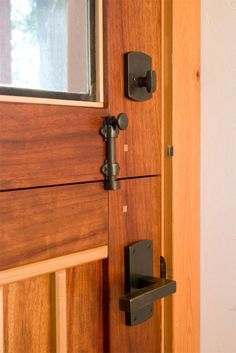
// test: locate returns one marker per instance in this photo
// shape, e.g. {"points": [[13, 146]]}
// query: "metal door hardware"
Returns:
{"points": [[163, 271], [141, 288], [170, 151], [140, 79], [110, 131]]}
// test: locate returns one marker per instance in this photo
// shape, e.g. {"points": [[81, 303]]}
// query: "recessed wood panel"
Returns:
{"points": [[85, 308], [135, 215], [45, 145], [135, 26], [27, 316], [39, 224]]}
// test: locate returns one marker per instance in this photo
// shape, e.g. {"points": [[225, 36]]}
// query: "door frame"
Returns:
{"points": [[181, 174]]}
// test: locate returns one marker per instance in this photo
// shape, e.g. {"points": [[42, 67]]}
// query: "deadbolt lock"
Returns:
{"points": [[140, 78]]}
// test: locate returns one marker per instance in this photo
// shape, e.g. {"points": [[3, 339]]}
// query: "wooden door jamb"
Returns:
{"points": [[181, 174]]}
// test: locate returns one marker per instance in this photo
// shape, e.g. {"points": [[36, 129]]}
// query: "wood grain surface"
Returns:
{"points": [[45, 145], [1, 321], [27, 316], [186, 175], [85, 308], [60, 263], [166, 170], [141, 199], [48, 145], [135, 26], [60, 297], [39, 224]]}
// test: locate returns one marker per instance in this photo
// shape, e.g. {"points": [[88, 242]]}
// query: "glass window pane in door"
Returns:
{"points": [[47, 48]]}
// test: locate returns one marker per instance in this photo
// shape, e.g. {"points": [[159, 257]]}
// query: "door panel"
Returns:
{"points": [[31, 314], [85, 319], [135, 26], [48, 145], [39, 224], [45, 145], [27, 316], [53, 203], [141, 199]]}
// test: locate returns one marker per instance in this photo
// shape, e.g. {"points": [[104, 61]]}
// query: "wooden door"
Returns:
{"points": [[62, 234]]}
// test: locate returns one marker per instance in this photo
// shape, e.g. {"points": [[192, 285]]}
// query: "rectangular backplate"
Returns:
{"points": [[136, 65], [138, 263]]}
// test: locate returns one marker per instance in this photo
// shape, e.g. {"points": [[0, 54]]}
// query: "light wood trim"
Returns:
{"points": [[186, 176], [166, 180], [48, 266], [34, 100], [61, 317], [1, 322]]}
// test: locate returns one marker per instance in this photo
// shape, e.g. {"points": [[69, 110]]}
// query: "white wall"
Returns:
{"points": [[218, 177]]}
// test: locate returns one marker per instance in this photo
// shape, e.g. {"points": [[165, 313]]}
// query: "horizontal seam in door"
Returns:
{"points": [[140, 177], [76, 183], [52, 185]]}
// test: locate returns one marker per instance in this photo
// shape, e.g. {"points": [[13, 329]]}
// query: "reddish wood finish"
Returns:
{"points": [[135, 26], [142, 221], [39, 224], [27, 316], [43, 145], [85, 308], [48, 145]]}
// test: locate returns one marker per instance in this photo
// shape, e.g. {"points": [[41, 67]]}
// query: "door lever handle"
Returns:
{"points": [[151, 289], [141, 288], [110, 131]]}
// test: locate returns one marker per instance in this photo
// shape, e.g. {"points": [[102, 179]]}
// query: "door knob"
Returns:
{"points": [[142, 289], [121, 122], [149, 81], [110, 131]]}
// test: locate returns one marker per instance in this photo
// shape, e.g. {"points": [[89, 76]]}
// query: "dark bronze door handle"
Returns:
{"points": [[153, 289], [110, 130], [141, 288]]}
